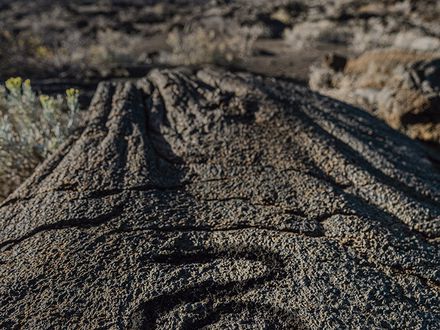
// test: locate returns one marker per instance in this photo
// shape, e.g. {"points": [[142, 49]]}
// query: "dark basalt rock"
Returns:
{"points": [[219, 200]]}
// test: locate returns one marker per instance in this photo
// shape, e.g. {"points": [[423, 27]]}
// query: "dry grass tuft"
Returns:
{"points": [[217, 41]]}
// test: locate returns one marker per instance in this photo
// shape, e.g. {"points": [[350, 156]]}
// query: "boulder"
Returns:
{"points": [[400, 87], [203, 198]]}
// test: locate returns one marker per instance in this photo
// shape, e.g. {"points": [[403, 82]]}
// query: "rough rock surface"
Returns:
{"points": [[219, 200], [400, 87]]}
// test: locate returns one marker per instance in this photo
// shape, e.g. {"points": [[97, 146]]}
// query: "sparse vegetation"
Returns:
{"points": [[108, 50], [31, 128], [308, 34], [219, 42]]}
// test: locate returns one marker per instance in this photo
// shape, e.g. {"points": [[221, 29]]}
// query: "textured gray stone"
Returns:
{"points": [[210, 199]]}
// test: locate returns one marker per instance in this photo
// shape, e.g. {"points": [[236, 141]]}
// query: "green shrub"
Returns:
{"points": [[31, 128]]}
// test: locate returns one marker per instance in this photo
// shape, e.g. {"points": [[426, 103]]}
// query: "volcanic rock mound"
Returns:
{"points": [[209, 199]]}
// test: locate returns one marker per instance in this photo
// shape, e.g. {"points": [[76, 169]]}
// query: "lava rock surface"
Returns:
{"points": [[224, 200]]}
